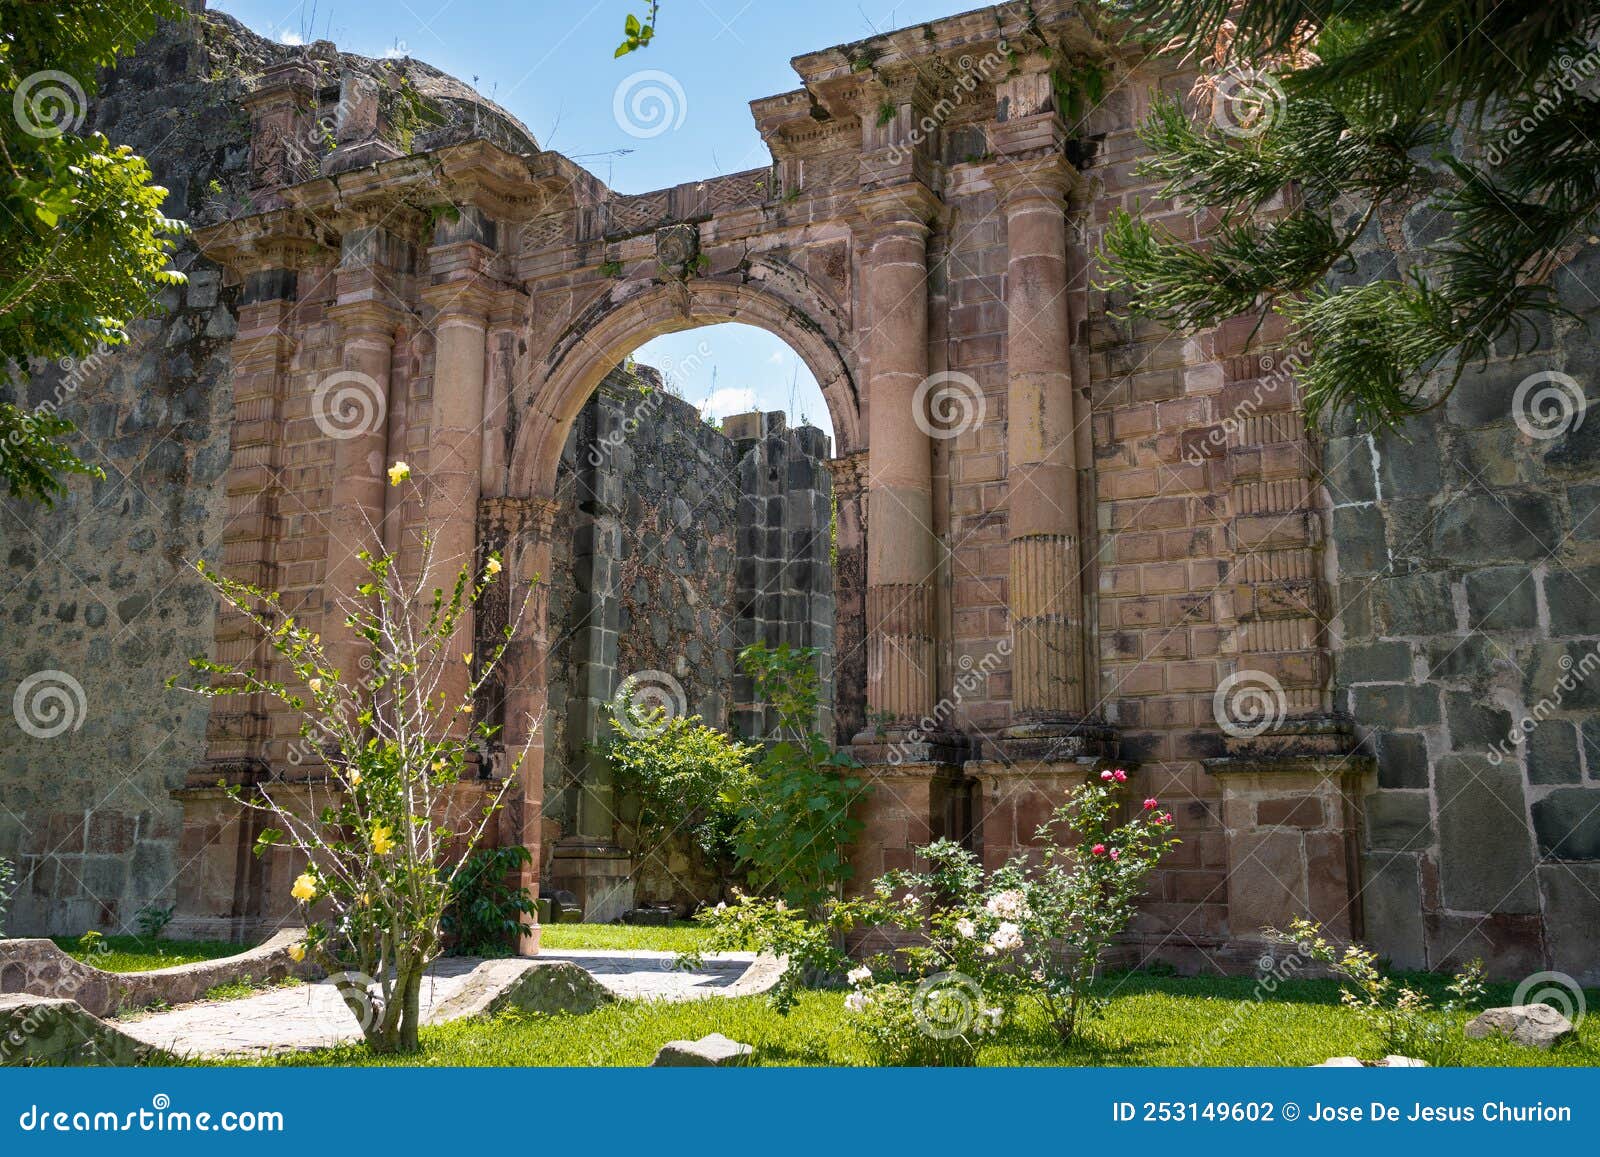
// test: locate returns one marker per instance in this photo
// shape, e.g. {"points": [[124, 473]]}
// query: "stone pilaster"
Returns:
{"points": [[1291, 814], [520, 529]]}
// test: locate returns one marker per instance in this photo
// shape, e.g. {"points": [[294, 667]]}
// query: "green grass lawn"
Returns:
{"points": [[680, 936], [1150, 1021], [137, 954]]}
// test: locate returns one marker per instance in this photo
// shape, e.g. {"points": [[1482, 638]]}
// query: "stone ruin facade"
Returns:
{"points": [[1059, 541]]}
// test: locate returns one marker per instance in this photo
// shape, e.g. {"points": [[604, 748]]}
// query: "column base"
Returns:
{"points": [[1016, 799], [1291, 814], [905, 745], [1055, 739], [600, 875]]}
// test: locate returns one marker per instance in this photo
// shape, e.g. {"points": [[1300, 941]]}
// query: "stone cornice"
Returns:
{"points": [[1047, 174], [278, 239], [898, 206]]}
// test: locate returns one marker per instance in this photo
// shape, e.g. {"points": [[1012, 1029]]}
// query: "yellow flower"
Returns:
{"points": [[315, 685], [438, 765], [492, 567], [305, 887], [383, 839], [467, 657], [398, 473], [355, 779], [297, 951]]}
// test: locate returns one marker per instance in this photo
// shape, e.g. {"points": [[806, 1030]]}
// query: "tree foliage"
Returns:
{"points": [[83, 241], [686, 777], [1485, 111]]}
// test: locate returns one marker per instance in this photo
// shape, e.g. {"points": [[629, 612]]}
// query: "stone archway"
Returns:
{"points": [[556, 379], [1067, 544]]}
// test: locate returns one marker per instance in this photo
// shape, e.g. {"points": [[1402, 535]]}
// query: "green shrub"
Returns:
{"points": [[485, 910], [685, 777], [794, 816]]}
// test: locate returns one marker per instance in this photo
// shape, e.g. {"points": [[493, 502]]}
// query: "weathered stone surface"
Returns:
{"points": [[1402, 760], [1483, 837], [1567, 822], [1499, 527], [1502, 598], [54, 1031], [39, 968], [1391, 895], [1552, 753], [1536, 1026], [714, 1051], [549, 987], [1399, 820]]}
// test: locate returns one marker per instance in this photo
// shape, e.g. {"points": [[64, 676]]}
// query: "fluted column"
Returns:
{"points": [[352, 408], [1042, 500], [900, 548]]}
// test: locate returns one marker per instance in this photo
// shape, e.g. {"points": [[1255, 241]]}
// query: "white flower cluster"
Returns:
{"points": [[1008, 905]]}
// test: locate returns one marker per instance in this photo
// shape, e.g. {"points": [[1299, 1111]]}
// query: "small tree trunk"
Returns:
{"points": [[411, 1013]]}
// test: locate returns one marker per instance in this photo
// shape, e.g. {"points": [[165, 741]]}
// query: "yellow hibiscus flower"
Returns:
{"points": [[383, 839], [297, 951], [305, 887], [398, 473]]}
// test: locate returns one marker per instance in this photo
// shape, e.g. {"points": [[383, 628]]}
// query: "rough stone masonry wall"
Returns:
{"points": [[676, 544], [1466, 565]]}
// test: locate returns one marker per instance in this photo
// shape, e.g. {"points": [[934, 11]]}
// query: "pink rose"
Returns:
{"points": [[1115, 855], [1106, 775], [1149, 804], [1122, 776], [1098, 849]]}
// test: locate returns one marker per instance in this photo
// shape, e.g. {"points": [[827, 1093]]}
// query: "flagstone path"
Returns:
{"points": [[314, 1015]]}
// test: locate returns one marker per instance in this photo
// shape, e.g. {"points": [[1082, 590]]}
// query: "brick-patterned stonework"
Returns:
{"points": [[1059, 534]]}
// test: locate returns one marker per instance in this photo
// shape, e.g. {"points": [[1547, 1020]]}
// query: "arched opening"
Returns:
{"points": [[696, 514]]}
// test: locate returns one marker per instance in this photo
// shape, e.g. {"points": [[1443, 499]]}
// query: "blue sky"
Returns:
{"points": [[551, 65]]}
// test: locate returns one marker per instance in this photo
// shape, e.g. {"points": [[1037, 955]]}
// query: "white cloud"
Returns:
{"points": [[776, 358], [290, 36], [728, 401], [397, 52]]}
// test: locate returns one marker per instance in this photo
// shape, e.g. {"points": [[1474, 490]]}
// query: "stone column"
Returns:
{"points": [[352, 408], [901, 686], [450, 479], [1042, 502]]}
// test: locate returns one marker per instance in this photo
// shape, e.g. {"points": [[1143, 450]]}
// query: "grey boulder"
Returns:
{"points": [[1537, 1026], [715, 1051]]}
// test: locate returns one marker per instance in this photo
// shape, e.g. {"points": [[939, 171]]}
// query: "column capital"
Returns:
{"points": [[1049, 177], [365, 318], [898, 208], [468, 298]]}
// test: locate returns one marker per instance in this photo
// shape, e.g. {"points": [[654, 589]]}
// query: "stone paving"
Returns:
{"points": [[315, 1016]]}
